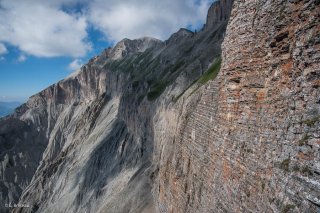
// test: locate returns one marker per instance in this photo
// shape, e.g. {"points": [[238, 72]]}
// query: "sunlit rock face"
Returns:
{"points": [[251, 142], [151, 126]]}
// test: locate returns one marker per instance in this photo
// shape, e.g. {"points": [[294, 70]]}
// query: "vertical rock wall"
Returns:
{"points": [[252, 143]]}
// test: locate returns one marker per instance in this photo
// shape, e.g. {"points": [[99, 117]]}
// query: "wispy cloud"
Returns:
{"points": [[22, 58], [4, 98], [137, 18], [3, 49], [75, 64], [60, 28], [42, 29]]}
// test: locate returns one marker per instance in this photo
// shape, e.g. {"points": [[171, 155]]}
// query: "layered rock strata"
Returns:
{"points": [[251, 143]]}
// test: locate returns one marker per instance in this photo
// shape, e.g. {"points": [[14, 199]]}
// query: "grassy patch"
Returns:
{"points": [[140, 98], [188, 50], [311, 122], [287, 208], [304, 140], [296, 168], [156, 91], [247, 192], [158, 81], [306, 171], [263, 185], [184, 91], [113, 65], [211, 73], [177, 66], [285, 164], [135, 83]]}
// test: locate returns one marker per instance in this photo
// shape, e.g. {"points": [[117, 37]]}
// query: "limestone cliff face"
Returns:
{"points": [[251, 142]]}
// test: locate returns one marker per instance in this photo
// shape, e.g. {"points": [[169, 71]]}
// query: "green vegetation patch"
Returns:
{"points": [[304, 140], [247, 192], [212, 72], [311, 122], [184, 91], [263, 185], [306, 171], [140, 98], [177, 66], [296, 168], [113, 65], [158, 82], [285, 164], [287, 208], [157, 90]]}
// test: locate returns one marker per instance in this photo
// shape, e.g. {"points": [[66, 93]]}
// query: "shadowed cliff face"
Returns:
{"points": [[251, 142], [88, 141]]}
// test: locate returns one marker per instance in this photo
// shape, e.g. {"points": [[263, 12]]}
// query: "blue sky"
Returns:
{"points": [[19, 79], [42, 42]]}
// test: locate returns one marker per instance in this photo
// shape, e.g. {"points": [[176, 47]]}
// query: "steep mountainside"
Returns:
{"points": [[151, 126], [86, 144]]}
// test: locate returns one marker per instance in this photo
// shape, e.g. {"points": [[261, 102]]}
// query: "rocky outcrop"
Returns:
{"points": [[219, 11], [251, 143], [128, 47], [181, 34]]}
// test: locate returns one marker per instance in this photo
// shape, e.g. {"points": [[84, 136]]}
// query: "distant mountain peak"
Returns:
{"points": [[219, 11], [127, 46], [181, 33]]}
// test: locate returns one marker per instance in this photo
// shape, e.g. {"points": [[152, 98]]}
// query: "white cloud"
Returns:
{"points": [[75, 64], [60, 27], [3, 49], [22, 58], [138, 18], [42, 29]]}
